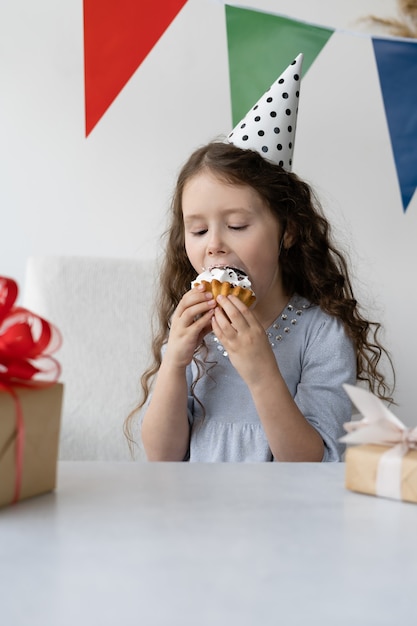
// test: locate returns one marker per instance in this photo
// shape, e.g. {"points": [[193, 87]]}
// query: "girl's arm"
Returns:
{"points": [[290, 436], [165, 426]]}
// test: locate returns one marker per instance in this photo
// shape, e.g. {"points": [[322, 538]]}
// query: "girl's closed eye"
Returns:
{"points": [[199, 232], [240, 227]]}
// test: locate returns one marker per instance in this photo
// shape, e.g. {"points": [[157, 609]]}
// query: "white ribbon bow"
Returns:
{"points": [[380, 426]]}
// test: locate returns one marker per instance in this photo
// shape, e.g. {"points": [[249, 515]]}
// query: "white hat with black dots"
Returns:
{"points": [[269, 127]]}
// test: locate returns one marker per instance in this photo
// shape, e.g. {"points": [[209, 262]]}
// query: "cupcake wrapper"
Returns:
{"points": [[218, 288]]}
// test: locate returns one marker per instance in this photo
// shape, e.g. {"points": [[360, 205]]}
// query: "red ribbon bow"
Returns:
{"points": [[26, 344]]}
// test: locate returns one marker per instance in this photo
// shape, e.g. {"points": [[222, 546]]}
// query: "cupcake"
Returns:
{"points": [[226, 280]]}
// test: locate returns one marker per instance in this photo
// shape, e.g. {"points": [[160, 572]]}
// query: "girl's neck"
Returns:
{"points": [[267, 315]]}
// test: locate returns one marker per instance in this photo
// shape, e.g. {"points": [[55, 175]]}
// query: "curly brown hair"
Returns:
{"points": [[311, 267]]}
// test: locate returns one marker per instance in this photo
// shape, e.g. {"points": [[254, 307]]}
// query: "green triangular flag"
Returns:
{"points": [[260, 46]]}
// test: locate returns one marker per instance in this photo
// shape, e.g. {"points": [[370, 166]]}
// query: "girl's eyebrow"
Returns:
{"points": [[231, 211], [192, 218]]}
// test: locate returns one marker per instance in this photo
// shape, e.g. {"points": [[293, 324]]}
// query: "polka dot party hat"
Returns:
{"points": [[269, 127]]}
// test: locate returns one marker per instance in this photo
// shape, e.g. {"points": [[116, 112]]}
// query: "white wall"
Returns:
{"points": [[107, 194]]}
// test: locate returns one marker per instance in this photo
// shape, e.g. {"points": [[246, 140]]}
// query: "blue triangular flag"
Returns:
{"points": [[397, 68]]}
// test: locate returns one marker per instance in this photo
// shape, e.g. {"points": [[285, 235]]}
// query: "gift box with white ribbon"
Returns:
{"points": [[381, 458]]}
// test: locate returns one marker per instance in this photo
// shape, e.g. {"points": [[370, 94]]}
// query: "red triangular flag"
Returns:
{"points": [[118, 35]]}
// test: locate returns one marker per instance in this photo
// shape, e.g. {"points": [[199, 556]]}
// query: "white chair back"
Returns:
{"points": [[102, 306]]}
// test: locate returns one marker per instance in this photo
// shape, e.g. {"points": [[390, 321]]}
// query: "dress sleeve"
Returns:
{"points": [[329, 360]]}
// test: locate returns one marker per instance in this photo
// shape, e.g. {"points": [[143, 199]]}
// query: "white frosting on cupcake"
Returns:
{"points": [[226, 274]]}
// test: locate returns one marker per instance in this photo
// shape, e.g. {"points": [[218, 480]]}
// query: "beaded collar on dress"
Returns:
{"points": [[286, 321]]}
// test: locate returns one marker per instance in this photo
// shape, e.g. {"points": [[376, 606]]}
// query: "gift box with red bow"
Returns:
{"points": [[30, 400], [381, 459]]}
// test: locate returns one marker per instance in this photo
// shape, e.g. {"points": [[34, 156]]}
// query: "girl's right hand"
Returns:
{"points": [[190, 323]]}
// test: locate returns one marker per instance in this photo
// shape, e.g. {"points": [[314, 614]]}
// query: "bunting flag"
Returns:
{"points": [[118, 35], [397, 67], [260, 46]]}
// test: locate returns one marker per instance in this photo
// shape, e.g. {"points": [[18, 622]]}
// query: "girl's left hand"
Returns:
{"points": [[244, 338]]}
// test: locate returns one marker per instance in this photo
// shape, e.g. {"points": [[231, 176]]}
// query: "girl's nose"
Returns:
{"points": [[215, 243], [216, 246]]}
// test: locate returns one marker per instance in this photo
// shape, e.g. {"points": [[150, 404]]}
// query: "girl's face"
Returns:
{"points": [[229, 224]]}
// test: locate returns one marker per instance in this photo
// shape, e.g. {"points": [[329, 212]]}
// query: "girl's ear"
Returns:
{"points": [[289, 237]]}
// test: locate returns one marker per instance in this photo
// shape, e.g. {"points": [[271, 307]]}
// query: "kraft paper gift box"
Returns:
{"points": [[383, 461], [363, 463], [41, 410], [30, 399]]}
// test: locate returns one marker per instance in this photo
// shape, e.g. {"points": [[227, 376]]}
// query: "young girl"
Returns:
{"points": [[264, 383]]}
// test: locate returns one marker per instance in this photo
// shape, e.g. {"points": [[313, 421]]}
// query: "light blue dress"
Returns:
{"points": [[315, 357]]}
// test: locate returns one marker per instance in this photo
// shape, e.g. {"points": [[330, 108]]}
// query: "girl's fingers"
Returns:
{"points": [[193, 305], [235, 311]]}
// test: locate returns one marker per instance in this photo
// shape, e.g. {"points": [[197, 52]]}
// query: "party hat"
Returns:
{"points": [[269, 127]]}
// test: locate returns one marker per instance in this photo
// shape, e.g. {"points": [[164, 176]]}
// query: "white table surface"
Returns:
{"points": [[207, 545]]}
